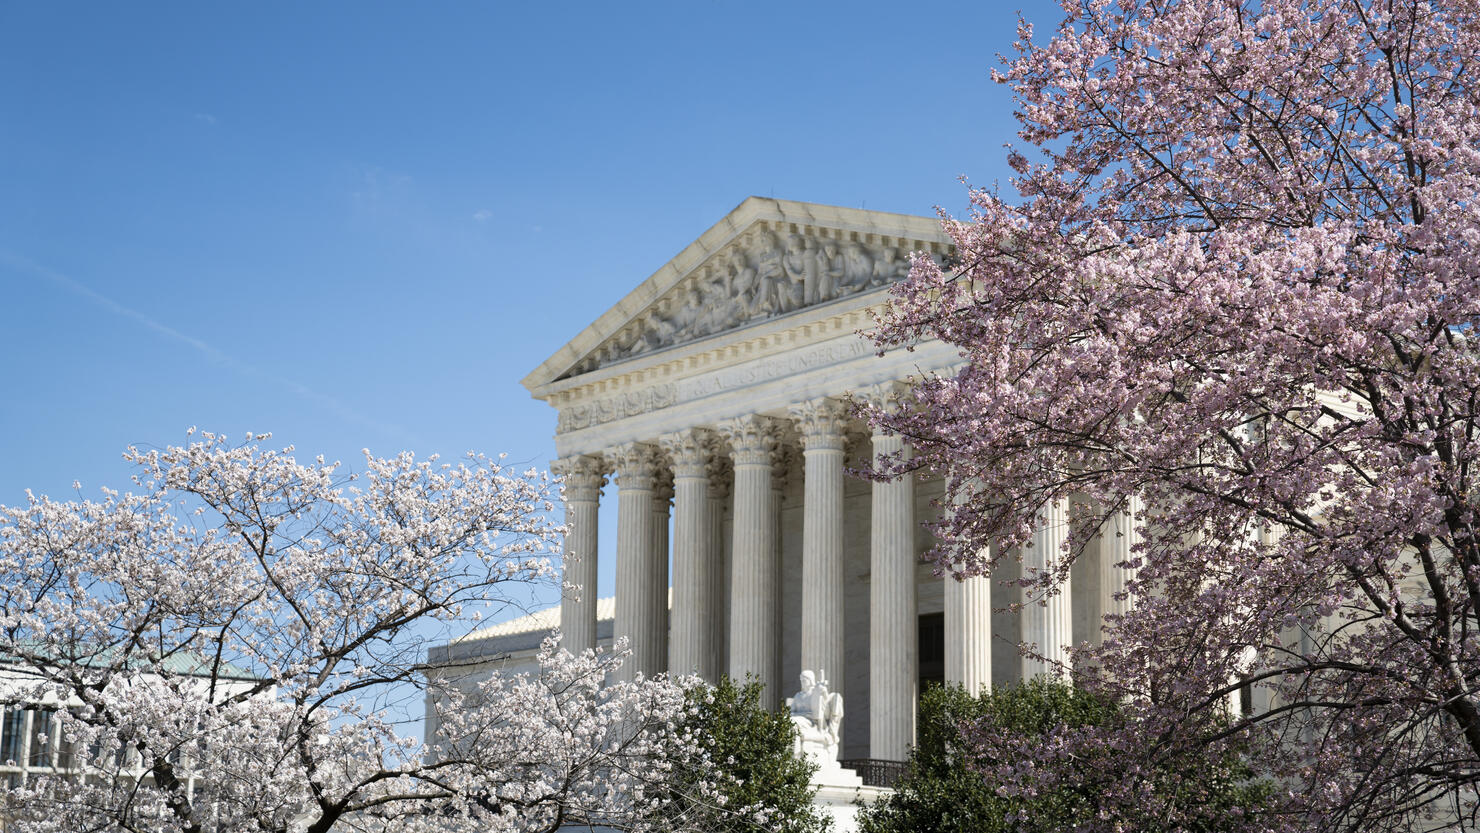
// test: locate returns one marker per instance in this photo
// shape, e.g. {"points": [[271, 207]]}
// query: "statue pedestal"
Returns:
{"points": [[841, 802]]}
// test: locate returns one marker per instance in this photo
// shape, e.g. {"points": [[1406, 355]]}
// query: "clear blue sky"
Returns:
{"points": [[361, 224]]}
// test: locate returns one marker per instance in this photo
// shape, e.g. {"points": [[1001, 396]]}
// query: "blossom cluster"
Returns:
{"points": [[1237, 291], [226, 648]]}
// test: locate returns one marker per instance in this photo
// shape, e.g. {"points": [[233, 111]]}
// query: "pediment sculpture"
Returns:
{"points": [[761, 275]]}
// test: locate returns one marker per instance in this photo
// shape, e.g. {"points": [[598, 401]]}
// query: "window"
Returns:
{"points": [[12, 730], [41, 738]]}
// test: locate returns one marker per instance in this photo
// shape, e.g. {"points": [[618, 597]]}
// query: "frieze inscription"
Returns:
{"points": [[776, 367], [632, 403]]}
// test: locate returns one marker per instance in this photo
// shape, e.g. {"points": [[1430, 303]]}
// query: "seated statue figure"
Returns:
{"points": [[817, 715]]}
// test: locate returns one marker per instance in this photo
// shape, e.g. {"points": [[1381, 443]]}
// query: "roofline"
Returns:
{"points": [[204, 670]]}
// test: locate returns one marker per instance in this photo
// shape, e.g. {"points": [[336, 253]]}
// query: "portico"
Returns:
{"points": [[716, 396]]}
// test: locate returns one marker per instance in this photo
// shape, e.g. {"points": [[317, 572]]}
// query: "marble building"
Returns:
{"points": [[713, 403]]}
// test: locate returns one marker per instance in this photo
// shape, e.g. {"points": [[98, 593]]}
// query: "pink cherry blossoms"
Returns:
{"points": [[1241, 285]]}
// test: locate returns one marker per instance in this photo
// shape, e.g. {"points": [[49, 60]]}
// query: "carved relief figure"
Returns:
{"points": [[832, 271], [664, 324], [675, 319], [815, 271], [770, 277], [798, 264], [858, 266], [766, 259], [690, 309], [888, 267], [716, 309], [742, 280], [625, 343]]}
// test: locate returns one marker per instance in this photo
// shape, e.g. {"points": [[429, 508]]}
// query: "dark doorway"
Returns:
{"points": [[932, 649]]}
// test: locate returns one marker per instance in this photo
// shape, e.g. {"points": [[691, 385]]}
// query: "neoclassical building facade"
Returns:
{"points": [[713, 404]]}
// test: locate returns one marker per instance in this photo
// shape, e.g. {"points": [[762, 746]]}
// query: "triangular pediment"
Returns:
{"points": [[766, 259]]}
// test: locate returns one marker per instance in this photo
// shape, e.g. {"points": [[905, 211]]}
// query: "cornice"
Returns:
{"points": [[774, 337]]}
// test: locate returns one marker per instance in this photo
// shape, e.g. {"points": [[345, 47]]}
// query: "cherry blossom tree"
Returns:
{"points": [[223, 650], [1236, 294]]}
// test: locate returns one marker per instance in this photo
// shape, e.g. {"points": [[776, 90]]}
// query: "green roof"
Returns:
{"points": [[182, 663]]}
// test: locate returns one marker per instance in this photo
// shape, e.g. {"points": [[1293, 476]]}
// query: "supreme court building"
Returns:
{"points": [[715, 396]]}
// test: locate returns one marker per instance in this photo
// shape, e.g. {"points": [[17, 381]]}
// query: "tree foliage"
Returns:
{"points": [[1238, 283], [758, 784], [974, 770], [226, 647]]}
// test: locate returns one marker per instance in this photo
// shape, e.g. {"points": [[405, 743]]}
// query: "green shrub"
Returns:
{"points": [[766, 788], [966, 775]]}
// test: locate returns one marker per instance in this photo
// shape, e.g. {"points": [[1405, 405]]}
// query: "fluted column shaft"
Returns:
{"points": [[821, 422], [1118, 534], [640, 605], [1047, 619], [716, 612], [755, 591], [968, 622], [582, 478], [691, 642], [968, 609], [658, 560], [893, 621]]}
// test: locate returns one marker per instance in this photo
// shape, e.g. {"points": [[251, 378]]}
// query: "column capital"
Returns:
{"points": [[884, 398], [753, 438], [690, 450], [582, 476], [636, 464], [822, 423]]}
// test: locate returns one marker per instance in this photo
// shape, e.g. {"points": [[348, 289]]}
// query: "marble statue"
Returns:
{"points": [[817, 714]]}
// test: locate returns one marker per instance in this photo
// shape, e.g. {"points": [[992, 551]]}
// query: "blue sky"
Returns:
{"points": [[361, 224]]}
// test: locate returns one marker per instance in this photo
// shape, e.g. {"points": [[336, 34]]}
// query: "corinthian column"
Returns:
{"points": [[582, 478], [691, 645], [1118, 534], [893, 623], [755, 592], [1047, 621], [640, 605], [821, 422]]}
